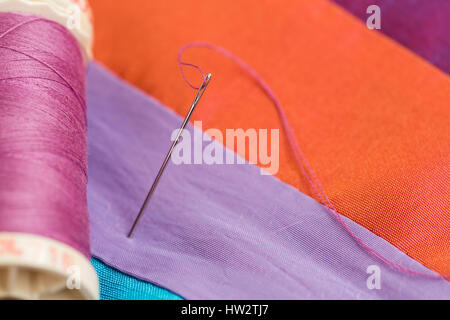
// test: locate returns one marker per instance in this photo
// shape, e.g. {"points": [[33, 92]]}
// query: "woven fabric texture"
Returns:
{"points": [[219, 231], [115, 285], [371, 116], [421, 26]]}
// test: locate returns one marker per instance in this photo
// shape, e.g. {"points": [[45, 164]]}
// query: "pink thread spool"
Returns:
{"points": [[32, 264]]}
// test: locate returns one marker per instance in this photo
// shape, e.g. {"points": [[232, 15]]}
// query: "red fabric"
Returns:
{"points": [[371, 116]]}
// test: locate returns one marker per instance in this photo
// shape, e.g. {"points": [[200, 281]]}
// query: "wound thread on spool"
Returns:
{"points": [[75, 15], [44, 222]]}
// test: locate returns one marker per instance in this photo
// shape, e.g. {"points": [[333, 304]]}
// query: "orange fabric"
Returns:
{"points": [[371, 116]]}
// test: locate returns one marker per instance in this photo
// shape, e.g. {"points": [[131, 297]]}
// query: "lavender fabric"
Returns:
{"points": [[209, 232], [423, 26]]}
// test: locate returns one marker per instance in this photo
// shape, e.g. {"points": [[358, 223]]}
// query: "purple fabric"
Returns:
{"points": [[209, 230], [423, 26]]}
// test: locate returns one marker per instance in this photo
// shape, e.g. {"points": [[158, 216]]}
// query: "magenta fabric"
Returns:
{"points": [[209, 232], [423, 26]]}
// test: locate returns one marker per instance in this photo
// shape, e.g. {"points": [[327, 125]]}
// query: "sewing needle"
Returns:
{"points": [[199, 95]]}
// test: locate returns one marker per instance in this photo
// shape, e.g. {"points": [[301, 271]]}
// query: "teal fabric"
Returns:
{"points": [[115, 285]]}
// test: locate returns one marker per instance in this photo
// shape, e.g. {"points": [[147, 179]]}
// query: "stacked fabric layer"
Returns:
{"points": [[371, 115]]}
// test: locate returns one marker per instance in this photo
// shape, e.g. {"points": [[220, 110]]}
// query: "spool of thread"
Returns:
{"points": [[44, 222], [75, 15]]}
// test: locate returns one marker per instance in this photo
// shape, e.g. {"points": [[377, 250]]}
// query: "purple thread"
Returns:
{"points": [[43, 127], [299, 155]]}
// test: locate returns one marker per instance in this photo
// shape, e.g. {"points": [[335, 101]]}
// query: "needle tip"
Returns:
{"points": [[199, 95]]}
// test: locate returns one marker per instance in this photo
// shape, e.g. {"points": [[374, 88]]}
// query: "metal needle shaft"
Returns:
{"points": [[199, 95]]}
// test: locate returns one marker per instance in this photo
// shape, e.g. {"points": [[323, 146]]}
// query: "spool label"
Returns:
{"points": [[28, 249], [33, 252]]}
